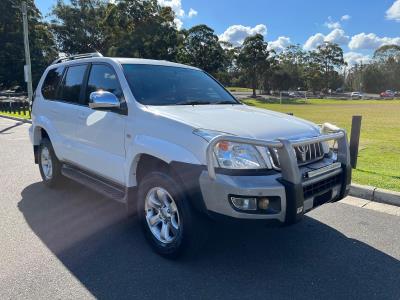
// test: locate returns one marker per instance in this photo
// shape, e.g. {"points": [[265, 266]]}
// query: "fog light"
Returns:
{"points": [[263, 203], [244, 203]]}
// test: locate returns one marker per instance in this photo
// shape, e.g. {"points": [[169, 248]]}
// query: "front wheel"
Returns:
{"points": [[169, 223]]}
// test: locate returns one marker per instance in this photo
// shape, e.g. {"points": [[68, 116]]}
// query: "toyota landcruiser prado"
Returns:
{"points": [[175, 146]]}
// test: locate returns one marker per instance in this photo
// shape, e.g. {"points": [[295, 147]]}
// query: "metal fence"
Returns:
{"points": [[14, 103]]}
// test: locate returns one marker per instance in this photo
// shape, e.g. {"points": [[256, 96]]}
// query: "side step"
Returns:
{"points": [[100, 185]]}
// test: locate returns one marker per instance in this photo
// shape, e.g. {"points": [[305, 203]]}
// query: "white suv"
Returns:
{"points": [[172, 144]]}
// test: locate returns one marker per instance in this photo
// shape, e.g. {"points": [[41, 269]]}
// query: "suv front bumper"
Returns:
{"points": [[290, 191], [285, 197]]}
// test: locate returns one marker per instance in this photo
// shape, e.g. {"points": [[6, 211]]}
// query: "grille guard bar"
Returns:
{"points": [[289, 166]]}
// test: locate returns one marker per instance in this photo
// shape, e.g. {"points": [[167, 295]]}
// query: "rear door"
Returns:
{"points": [[101, 133], [61, 109], [69, 99]]}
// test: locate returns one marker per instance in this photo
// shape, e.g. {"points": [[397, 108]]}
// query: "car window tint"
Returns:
{"points": [[71, 89], [103, 78], [51, 83], [164, 85]]}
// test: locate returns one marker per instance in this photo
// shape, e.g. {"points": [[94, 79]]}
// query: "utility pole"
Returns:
{"points": [[27, 67]]}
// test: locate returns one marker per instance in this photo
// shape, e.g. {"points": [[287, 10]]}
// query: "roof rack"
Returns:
{"points": [[77, 56]]}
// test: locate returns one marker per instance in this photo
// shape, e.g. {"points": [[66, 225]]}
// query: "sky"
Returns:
{"points": [[358, 26]]}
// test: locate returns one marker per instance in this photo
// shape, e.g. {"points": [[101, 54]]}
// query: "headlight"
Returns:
{"points": [[230, 155], [237, 156]]}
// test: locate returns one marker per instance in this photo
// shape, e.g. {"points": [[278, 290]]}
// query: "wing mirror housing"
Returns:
{"points": [[103, 100]]}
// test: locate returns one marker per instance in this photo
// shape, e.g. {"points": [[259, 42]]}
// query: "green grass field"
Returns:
{"points": [[238, 89], [379, 153], [22, 116]]}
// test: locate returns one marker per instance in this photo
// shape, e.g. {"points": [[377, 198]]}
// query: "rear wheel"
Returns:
{"points": [[169, 223], [49, 165]]}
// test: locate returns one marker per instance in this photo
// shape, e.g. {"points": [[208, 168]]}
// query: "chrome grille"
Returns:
{"points": [[308, 153], [305, 154]]}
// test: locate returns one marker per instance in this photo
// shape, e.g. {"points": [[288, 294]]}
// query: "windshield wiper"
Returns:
{"points": [[197, 102], [224, 102], [193, 102]]}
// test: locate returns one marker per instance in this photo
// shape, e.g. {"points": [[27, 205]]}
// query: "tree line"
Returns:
{"points": [[144, 29]]}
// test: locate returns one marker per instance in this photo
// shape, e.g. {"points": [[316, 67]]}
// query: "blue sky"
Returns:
{"points": [[359, 26]]}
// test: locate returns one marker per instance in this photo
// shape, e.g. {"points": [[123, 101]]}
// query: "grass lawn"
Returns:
{"points": [[379, 153], [239, 89], [22, 116]]}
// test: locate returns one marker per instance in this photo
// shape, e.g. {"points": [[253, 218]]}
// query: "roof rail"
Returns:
{"points": [[77, 56]]}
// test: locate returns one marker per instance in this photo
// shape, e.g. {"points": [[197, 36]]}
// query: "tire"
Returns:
{"points": [[49, 165], [184, 234]]}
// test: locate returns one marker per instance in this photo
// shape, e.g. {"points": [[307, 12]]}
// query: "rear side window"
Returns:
{"points": [[72, 84], [51, 83], [103, 78]]}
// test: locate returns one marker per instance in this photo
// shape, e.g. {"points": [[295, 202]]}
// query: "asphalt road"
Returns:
{"points": [[72, 243]]}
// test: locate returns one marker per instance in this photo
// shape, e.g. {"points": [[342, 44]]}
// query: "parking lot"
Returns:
{"points": [[73, 243]]}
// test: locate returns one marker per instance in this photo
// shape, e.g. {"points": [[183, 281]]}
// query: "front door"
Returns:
{"points": [[100, 135]]}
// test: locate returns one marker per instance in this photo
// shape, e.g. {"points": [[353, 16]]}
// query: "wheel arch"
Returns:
{"points": [[185, 174], [154, 151], [38, 134]]}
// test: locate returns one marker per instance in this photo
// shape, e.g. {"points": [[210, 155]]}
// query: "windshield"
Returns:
{"points": [[163, 85]]}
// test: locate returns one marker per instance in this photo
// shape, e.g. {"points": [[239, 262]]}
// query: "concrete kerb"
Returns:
{"points": [[375, 194]]}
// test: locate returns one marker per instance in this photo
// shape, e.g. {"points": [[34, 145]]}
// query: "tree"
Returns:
{"points": [[141, 29], [387, 52], [201, 48], [132, 28], [313, 72], [253, 59], [12, 57], [387, 61], [79, 26], [330, 57], [291, 62]]}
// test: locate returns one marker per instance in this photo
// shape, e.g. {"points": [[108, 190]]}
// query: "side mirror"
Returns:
{"points": [[103, 99]]}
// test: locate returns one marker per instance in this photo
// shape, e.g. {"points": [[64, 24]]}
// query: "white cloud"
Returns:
{"points": [[176, 6], [345, 18], [371, 41], [393, 13], [331, 24], [178, 23], [353, 58], [236, 34], [314, 41], [192, 13], [337, 36], [278, 45]]}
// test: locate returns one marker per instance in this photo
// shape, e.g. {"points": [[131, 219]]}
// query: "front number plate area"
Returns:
{"points": [[322, 169]]}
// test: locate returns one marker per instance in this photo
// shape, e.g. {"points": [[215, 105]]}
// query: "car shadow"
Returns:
{"points": [[106, 252], [3, 131]]}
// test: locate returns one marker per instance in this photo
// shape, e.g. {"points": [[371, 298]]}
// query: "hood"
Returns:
{"points": [[239, 120]]}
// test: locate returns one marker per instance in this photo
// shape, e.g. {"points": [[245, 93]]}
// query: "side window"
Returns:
{"points": [[51, 83], [103, 78], [72, 84]]}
